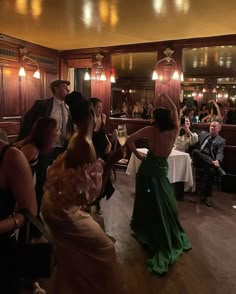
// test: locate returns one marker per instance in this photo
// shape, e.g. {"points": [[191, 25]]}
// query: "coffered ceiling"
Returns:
{"points": [[73, 24]]}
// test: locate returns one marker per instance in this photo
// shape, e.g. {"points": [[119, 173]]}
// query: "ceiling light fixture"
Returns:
{"points": [[99, 69]]}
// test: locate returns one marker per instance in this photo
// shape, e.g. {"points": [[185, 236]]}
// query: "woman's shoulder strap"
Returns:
{"points": [[3, 151]]}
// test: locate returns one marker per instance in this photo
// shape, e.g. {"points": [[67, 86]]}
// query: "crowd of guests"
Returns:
{"points": [[61, 166], [138, 109], [224, 112]]}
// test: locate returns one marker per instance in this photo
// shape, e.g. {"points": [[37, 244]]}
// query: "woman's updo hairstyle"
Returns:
{"points": [[79, 105], [162, 118]]}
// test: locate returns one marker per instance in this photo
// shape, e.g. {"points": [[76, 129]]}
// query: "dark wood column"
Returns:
{"points": [[102, 89], [165, 84]]}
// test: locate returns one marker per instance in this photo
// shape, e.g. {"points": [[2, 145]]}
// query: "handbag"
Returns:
{"points": [[34, 260]]}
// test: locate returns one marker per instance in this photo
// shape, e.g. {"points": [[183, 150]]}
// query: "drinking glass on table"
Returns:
{"points": [[122, 136]]}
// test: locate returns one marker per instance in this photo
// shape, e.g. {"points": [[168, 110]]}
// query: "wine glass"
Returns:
{"points": [[122, 134]]}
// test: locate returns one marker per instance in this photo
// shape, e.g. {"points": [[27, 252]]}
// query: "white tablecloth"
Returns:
{"points": [[180, 167]]}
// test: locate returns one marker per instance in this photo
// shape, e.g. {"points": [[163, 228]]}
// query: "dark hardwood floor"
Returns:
{"points": [[209, 268]]}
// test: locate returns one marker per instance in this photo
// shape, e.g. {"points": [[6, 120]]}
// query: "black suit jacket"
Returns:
{"points": [[217, 146], [41, 108]]}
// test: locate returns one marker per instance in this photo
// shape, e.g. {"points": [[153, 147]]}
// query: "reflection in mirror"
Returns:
{"points": [[133, 93], [209, 86]]}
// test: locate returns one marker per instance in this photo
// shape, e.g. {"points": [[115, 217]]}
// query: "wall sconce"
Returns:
{"points": [[23, 57], [99, 70], [169, 61]]}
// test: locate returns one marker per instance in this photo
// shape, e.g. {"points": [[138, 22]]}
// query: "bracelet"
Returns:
{"points": [[16, 221]]}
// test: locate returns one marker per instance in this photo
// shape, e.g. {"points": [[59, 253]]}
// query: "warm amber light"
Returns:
{"points": [[175, 75], [37, 74], [22, 72], [103, 77], [21, 7], [87, 76], [114, 16], [103, 10], [154, 75], [88, 13], [112, 79], [36, 8]]}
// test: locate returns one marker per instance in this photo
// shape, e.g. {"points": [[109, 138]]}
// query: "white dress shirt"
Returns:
{"points": [[57, 115]]}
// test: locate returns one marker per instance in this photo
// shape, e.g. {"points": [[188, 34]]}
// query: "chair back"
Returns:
{"points": [[113, 140]]}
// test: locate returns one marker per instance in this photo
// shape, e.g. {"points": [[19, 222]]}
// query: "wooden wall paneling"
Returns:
{"points": [[23, 95], [80, 63], [48, 78], [168, 86], [1, 91], [63, 69], [33, 89], [11, 99], [29, 88]]}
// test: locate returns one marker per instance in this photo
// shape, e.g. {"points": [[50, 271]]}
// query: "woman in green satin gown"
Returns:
{"points": [[155, 220]]}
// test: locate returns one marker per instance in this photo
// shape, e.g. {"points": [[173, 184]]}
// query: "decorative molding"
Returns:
{"points": [[8, 54], [43, 60], [80, 63]]}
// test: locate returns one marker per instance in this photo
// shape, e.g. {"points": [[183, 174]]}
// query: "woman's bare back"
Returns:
{"points": [[80, 151], [161, 143]]}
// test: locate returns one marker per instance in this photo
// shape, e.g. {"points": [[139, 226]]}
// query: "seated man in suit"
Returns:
{"points": [[209, 156]]}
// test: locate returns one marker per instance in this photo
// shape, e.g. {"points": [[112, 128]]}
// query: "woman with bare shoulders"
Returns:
{"points": [[16, 193], [155, 217], [86, 260]]}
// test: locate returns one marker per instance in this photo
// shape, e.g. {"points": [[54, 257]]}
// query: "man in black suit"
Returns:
{"points": [[47, 108], [56, 108], [209, 157]]}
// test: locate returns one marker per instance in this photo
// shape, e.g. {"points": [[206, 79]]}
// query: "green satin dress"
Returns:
{"points": [[155, 217]]}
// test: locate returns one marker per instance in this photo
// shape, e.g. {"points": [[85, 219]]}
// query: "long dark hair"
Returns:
{"points": [[42, 133], [95, 101], [182, 131], [80, 107], [162, 118]]}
